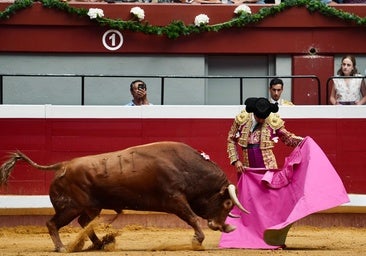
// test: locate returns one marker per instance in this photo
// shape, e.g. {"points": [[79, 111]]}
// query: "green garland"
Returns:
{"points": [[177, 28]]}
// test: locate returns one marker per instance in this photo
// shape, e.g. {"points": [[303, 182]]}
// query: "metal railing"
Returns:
{"points": [[162, 81]]}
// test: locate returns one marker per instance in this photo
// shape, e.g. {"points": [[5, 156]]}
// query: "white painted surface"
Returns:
{"points": [[173, 111]]}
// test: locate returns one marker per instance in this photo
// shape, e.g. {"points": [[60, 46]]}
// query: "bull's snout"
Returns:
{"points": [[226, 228], [229, 228]]}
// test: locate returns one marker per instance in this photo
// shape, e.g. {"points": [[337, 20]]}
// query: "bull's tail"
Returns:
{"points": [[8, 166]]}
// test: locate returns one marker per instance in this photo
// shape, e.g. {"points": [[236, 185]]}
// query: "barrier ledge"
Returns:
{"points": [[38, 217], [41, 203], [50, 211]]}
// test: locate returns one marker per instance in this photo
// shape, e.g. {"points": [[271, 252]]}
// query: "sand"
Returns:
{"points": [[138, 240]]}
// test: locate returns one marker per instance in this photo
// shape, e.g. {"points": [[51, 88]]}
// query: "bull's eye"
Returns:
{"points": [[228, 204]]}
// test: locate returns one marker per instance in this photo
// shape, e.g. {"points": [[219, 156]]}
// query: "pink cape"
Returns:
{"points": [[307, 183]]}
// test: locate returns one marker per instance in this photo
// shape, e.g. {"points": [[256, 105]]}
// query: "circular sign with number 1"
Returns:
{"points": [[112, 39]]}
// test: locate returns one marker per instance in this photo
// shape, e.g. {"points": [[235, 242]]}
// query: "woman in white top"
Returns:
{"points": [[348, 91]]}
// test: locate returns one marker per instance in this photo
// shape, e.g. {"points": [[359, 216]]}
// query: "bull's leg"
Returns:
{"points": [[59, 220], [198, 233], [184, 211], [84, 219]]}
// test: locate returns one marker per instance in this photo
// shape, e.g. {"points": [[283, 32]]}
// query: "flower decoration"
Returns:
{"points": [[243, 8], [94, 13], [177, 28], [138, 13], [201, 19], [205, 156], [275, 139]]}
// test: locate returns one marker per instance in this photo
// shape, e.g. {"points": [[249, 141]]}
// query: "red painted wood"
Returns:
{"points": [[61, 139], [294, 31], [305, 92]]}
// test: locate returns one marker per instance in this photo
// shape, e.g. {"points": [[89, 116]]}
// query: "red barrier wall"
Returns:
{"points": [[49, 140]]}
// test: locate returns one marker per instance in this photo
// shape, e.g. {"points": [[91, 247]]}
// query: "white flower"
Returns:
{"points": [[138, 12], [94, 13], [242, 8], [205, 156], [201, 19]]}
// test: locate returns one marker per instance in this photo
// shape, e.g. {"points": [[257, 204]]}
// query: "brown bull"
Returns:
{"points": [[164, 176]]}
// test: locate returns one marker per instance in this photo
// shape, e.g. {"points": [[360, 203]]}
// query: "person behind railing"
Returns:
{"points": [[351, 1], [253, 1], [350, 88], [138, 91], [275, 92], [234, 1]]}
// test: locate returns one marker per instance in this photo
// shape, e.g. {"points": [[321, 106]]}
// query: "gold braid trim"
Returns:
{"points": [[235, 130], [244, 120], [287, 103], [275, 121], [265, 141], [242, 117]]}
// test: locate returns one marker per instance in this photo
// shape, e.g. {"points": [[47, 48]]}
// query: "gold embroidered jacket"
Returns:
{"points": [[272, 129]]}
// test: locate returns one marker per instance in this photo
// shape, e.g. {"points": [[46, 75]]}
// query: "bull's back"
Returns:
{"points": [[138, 166], [137, 175]]}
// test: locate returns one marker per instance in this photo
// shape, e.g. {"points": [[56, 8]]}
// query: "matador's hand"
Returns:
{"points": [[239, 166]]}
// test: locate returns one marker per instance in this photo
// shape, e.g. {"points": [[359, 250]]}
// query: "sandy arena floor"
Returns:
{"points": [[141, 241]]}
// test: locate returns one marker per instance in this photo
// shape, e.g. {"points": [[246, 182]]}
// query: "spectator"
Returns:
{"points": [[256, 1], [352, 1], [330, 2], [350, 88], [344, 2], [275, 90], [138, 91]]}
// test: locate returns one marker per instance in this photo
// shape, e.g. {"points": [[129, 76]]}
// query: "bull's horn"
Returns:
{"points": [[233, 215], [232, 191]]}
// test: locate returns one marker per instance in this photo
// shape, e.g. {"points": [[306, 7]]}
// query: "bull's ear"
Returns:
{"points": [[223, 189], [228, 204]]}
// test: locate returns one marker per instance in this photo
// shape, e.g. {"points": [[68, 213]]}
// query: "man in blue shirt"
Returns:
{"points": [[138, 91]]}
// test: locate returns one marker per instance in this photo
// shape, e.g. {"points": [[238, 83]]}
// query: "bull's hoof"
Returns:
{"points": [[109, 242], [61, 249], [196, 245], [77, 246], [95, 247]]}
